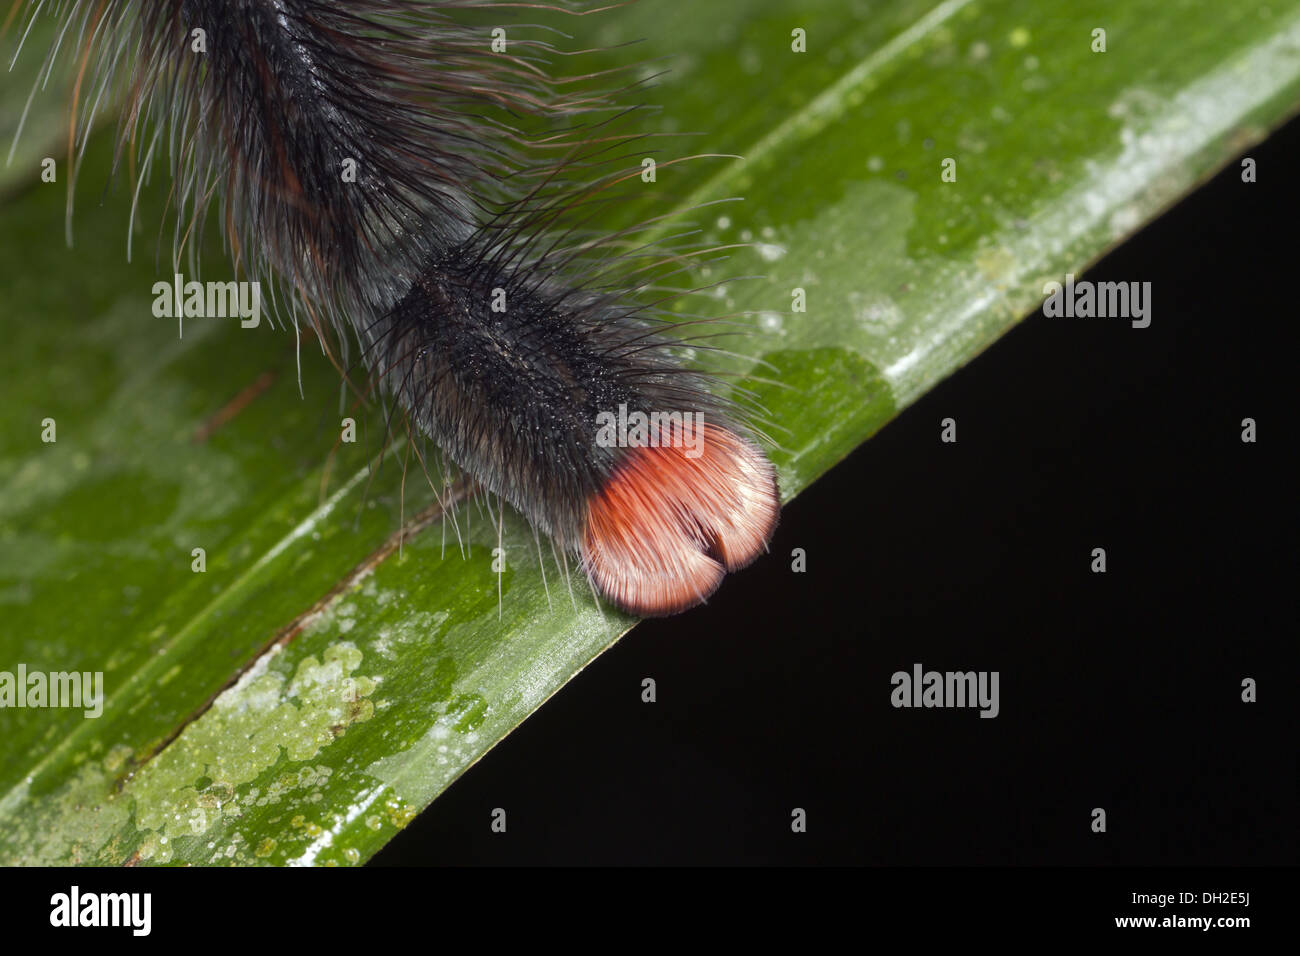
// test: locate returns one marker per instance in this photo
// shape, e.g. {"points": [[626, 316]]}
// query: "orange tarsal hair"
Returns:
{"points": [[667, 527]]}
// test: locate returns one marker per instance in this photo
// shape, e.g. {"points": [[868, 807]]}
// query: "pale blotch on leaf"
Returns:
{"points": [[196, 781]]}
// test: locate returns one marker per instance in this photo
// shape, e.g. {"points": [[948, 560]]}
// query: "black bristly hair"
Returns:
{"points": [[460, 255]]}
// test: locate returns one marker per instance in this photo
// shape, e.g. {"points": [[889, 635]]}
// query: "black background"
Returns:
{"points": [[1120, 690]]}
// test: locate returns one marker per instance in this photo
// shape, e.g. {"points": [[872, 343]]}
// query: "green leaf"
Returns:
{"points": [[326, 677]]}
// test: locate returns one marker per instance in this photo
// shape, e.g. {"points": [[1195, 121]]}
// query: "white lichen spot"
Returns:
{"points": [[877, 313], [1135, 103], [1124, 220], [996, 263], [116, 758]]}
